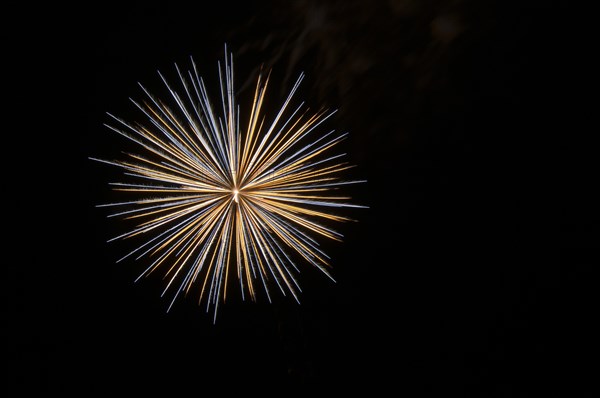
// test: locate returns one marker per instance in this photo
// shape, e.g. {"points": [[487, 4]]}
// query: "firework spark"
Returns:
{"points": [[215, 199]]}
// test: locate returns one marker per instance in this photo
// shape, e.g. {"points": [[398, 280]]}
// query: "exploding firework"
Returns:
{"points": [[216, 200]]}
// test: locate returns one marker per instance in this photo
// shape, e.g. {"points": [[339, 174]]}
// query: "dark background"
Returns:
{"points": [[471, 274]]}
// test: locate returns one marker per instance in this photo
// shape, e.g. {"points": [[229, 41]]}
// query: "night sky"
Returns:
{"points": [[470, 274]]}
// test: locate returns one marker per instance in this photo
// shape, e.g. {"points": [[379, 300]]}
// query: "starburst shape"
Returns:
{"points": [[215, 199]]}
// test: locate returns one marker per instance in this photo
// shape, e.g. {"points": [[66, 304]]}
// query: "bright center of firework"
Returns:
{"points": [[235, 194]]}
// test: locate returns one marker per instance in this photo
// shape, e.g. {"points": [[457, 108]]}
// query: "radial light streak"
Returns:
{"points": [[215, 199]]}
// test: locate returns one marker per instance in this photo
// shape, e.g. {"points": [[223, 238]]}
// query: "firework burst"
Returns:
{"points": [[216, 200]]}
